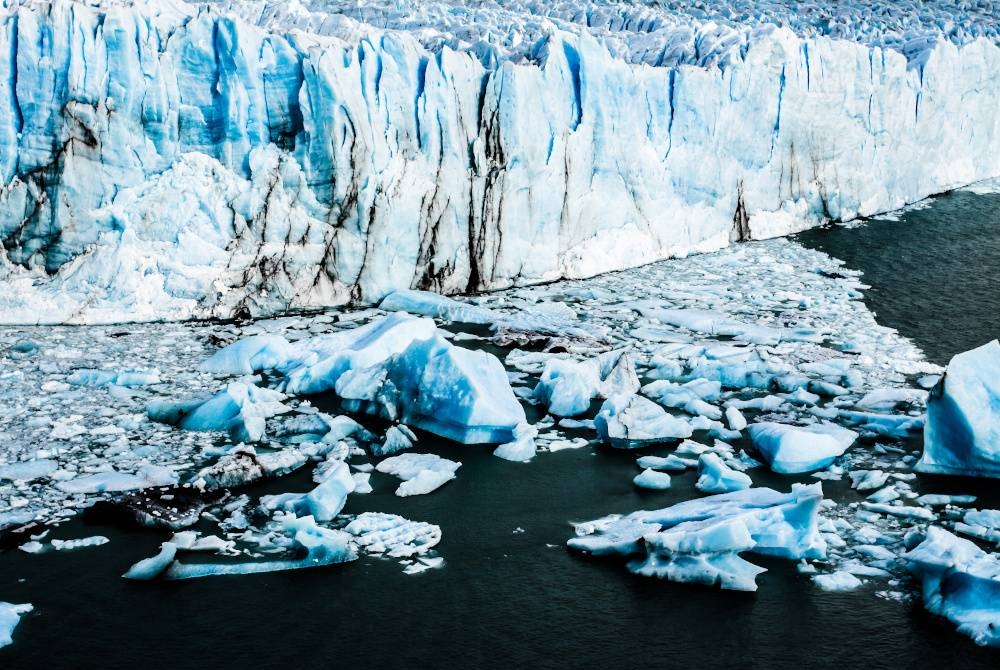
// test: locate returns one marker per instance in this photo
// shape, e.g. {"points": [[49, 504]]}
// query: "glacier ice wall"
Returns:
{"points": [[168, 160]]}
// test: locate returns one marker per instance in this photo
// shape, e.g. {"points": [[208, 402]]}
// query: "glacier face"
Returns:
{"points": [[174, 160]]}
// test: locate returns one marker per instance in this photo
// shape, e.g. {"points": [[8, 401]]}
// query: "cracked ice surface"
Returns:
{"points": [[160, 160], [656, 33]]}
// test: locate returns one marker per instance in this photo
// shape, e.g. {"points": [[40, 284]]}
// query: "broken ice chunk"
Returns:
{"points": [[796, 449], [322, 546], [10, 616], [651, 479], [837, 581], [523, 448], [700, 540], [631, 422], [961, 582], [153, 567], [421, 473], [962, 435], [397, 439], [241, 410], [567, 387], [714, 476], [322, 503], [392, 535]]}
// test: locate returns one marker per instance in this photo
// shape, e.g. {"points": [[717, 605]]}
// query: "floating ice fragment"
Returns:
{"points": [[651, 479], [153, 567], [421, 473], [960, 582], [962, 435], [523, 448], [714, 476], [392, 535], [241, 410], [700, 540], [10, 616], [567, 387], [632, 422], [794, 449], [837, 581]]}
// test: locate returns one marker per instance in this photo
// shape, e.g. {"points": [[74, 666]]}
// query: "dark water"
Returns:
{"points": [[508, 599], [934, 274]]}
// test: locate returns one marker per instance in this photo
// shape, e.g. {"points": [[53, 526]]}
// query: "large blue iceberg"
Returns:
{"points": [[398, 367], [960, 582], [962, 433]]}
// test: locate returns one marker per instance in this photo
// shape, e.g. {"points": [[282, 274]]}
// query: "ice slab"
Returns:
{"points": [[700, 540], [962, 435]]}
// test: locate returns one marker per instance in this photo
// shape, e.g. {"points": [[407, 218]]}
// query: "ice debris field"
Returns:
{"points": [[161, 159], [760, 359]]}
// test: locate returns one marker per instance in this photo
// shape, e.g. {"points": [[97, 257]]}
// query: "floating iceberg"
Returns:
{"points": [[567, 387], [714, 476], [421, 473], [794, 449], [241, 410], [960, 582], [322, 503], [392, 535], [962, 434], [400, 368], [437, 306], [632, 422], [651, 479], [700, 540], [320, 546], [10, 616]]}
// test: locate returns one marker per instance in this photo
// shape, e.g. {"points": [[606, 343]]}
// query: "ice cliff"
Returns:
{"points": [[173, 160]]}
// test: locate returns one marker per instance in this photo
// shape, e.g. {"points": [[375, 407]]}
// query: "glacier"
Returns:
{"points": [[168, 160]]}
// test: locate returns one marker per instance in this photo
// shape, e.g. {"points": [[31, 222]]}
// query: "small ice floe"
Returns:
{"points": [[868, 480], [567, 387], [795, 449], [837, 581], [523, 448], [421, 473], [322, 503], [315, 545], [701, 540], [651, 479], [960, 582], [714, 476], [10, 616], [631, 422], [241, 410], [393, 536], [939, 499], [672, 463], [397, 438]]}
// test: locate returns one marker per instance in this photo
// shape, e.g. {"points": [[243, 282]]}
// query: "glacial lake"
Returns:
{"points": [[510, 594]]}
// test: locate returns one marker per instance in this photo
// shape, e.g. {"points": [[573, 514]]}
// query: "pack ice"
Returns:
{"points": [[165, 160]]}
